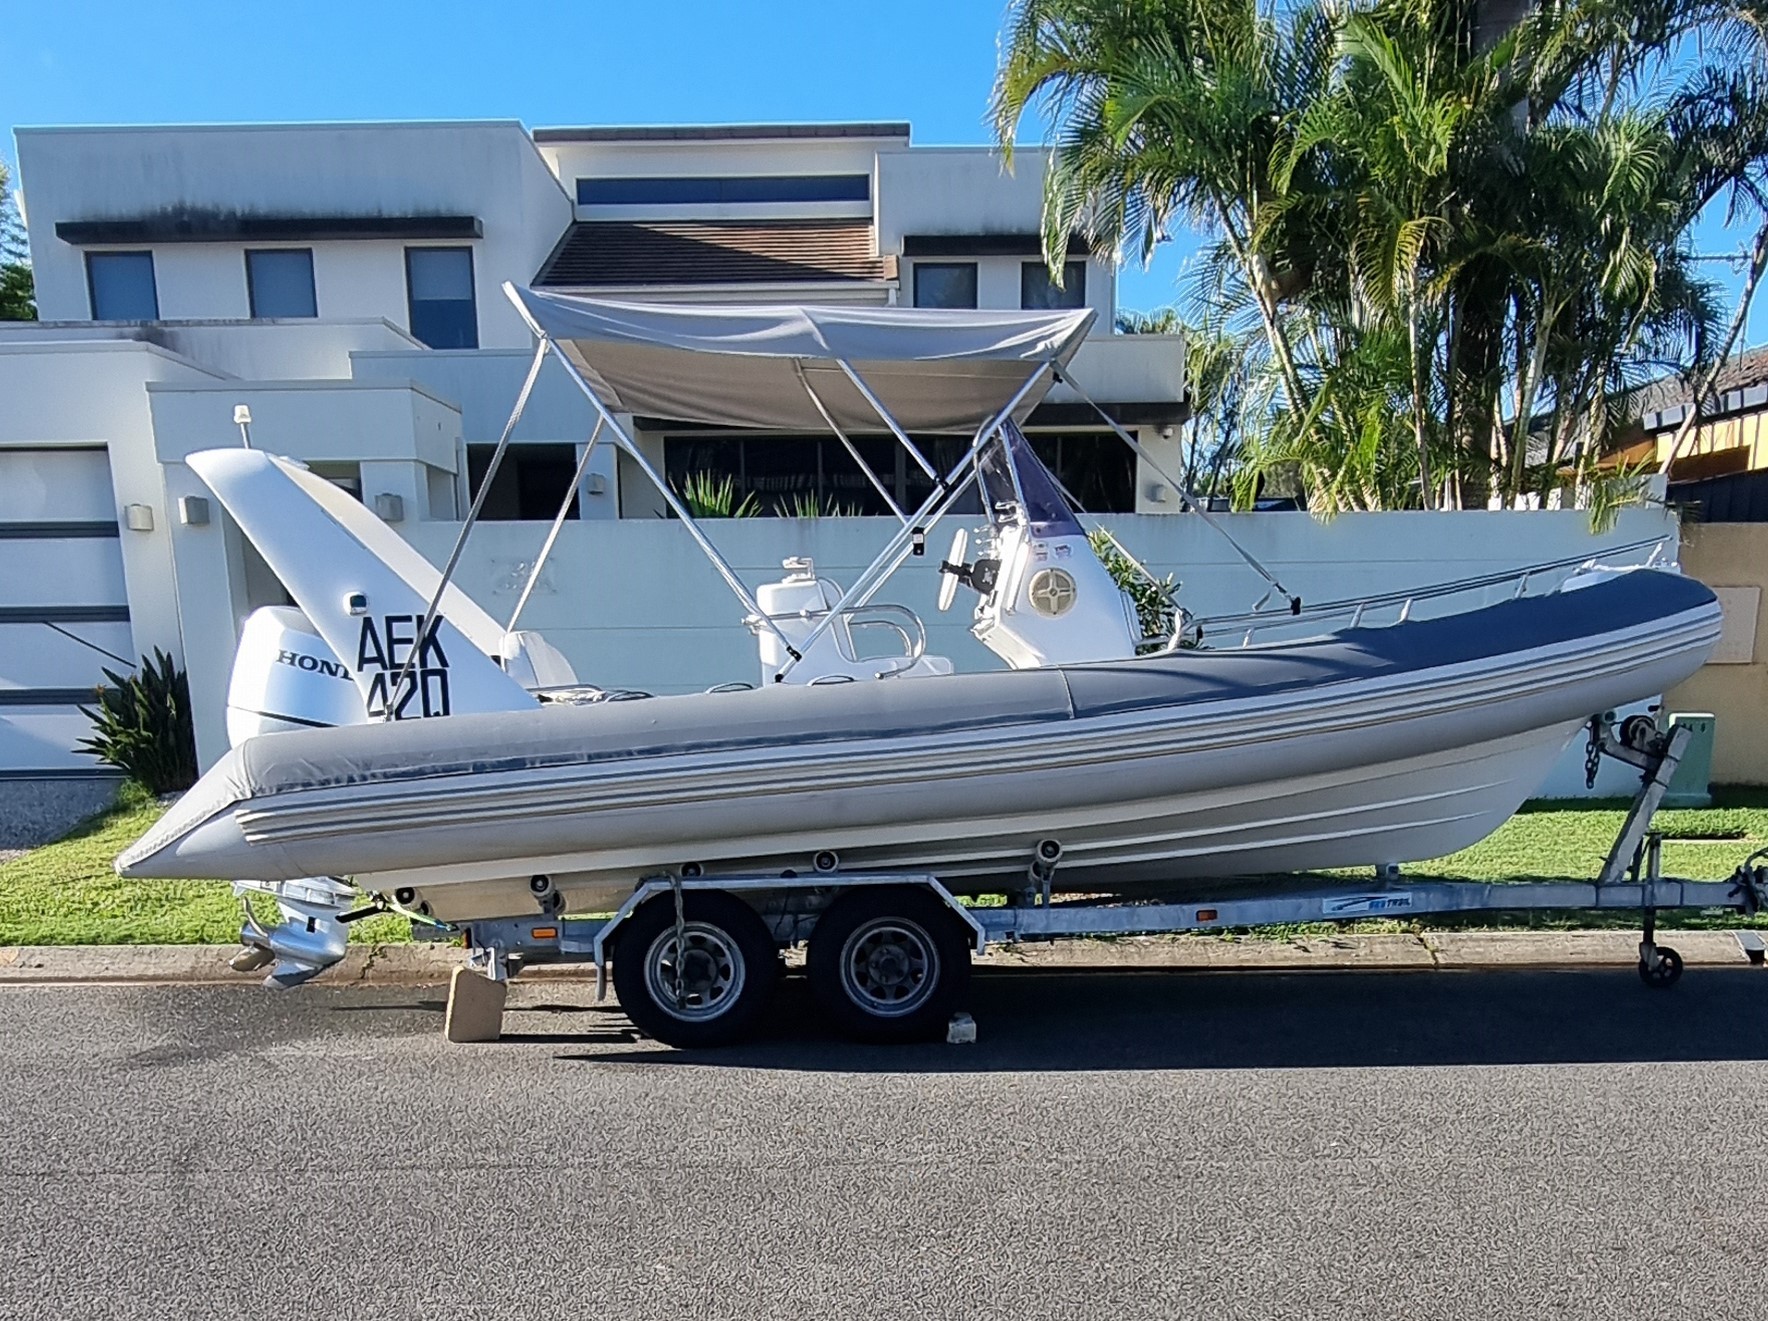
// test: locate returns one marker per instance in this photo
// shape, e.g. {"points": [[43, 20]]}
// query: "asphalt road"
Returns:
{"points": [[1226, 1145]]}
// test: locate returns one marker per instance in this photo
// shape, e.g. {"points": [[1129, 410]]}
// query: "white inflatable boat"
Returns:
{"points": [[1369, 746], [395, 745]]}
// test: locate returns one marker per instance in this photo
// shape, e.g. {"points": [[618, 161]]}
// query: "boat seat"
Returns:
{"points": [[535, 663]]}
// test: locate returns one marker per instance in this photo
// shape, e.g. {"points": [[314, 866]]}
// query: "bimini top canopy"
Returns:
{"points": [[749, 365]]}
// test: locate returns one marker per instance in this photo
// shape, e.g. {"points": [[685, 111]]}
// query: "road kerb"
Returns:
{"points": [[429, 964]]}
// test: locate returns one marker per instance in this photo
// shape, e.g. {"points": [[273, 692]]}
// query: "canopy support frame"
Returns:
{"points": [[630, 447], [889, 421], [938, 503], [427, 626], [851, 448], [558, 525]]}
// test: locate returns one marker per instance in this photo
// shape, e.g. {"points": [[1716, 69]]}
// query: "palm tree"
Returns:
{"points": [[1458, 232]]}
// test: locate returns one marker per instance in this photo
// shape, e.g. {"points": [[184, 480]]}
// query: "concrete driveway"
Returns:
{"points": [[1528, 1144]]}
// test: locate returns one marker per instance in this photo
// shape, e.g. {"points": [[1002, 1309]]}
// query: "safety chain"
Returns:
{"points": [[681, 942]]}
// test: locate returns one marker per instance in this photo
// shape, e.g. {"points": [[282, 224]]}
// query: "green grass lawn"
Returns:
{"points": [[67, 894]]}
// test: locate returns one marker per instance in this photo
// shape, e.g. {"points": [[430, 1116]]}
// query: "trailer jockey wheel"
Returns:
{"points": [[889, 964], [1661, 968], [705, 989]]}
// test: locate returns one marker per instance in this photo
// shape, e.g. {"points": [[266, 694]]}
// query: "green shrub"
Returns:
{"points": [[707, 496], [1156, 601], [142, 726]]}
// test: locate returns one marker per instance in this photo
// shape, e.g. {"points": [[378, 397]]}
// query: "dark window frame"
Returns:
{"points": [[312, 285], [722, 189], [411, 300], [1071, 287], [975, 281], [153, 278], [1104, 479], [530, 483]]}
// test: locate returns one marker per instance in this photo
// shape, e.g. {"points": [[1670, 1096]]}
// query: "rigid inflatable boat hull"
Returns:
{"points": [[1373, 746]]}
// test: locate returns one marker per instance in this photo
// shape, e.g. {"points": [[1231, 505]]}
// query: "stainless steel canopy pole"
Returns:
{"points": [[632, 451], [889, 421], [901, 545], [558, 524], [427, 628], [851, 448]]}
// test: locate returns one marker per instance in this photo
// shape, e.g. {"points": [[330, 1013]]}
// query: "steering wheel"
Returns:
{"points": [[953, 570]]}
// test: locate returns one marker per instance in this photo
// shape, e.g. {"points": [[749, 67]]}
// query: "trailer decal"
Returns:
{"points": [[1361, 905]]}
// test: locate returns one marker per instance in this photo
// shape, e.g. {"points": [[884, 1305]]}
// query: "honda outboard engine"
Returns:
{"points": [[285, 677], [1046, 597]]}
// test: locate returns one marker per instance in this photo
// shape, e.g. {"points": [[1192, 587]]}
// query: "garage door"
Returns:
{"points": [[64, 613]]}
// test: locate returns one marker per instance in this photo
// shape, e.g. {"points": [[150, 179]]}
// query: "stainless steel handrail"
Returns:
{"points": [[1256, 619]]}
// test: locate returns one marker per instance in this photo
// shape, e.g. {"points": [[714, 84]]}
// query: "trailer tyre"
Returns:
{"points": [[889, 964], [1662, 971], [725, 980]]}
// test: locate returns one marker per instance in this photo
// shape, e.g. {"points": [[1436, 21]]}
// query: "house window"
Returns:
{"points": [[727, 189], [945, 284], [440, 282], [783, 476], [121, 285], [1037, 291], [1097, 468], [531, 483], [279, 282]]}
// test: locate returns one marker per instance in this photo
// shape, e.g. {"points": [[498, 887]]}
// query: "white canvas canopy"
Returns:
{"points": [[755, 365]]}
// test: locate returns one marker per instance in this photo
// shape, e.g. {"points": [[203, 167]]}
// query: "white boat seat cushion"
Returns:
{"points": [[535, 663]]}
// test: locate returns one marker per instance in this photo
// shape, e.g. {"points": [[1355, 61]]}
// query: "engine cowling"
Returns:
{"points": [[286, 677]]}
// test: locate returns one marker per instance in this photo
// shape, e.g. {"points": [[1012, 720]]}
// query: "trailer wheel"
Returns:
{"points": [[1663, 970], [889, 964], [726, 975]]}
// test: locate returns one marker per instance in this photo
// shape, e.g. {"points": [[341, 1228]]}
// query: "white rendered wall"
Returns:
{"points": [[81, 394], [654, 158], [488, 170], [968, 191], [484, 386]]}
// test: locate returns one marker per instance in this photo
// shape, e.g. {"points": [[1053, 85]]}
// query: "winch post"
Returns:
{"points": [[1658, 762]]}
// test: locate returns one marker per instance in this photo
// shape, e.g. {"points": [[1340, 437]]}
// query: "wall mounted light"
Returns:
{"points": [[1156, 493], [193, 510], [389, 508], [138, 518], [595, 484]]}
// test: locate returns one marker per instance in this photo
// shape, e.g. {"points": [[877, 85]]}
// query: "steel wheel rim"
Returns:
{"points": [[712, 973], [889, 967]]}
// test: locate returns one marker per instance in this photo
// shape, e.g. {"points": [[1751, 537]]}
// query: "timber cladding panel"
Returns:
{"points": [[1732, 559]]}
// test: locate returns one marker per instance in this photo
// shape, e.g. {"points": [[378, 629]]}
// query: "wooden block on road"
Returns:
{"points": [[475, 1007]]}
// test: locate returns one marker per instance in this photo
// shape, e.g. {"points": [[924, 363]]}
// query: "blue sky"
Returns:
{"points": [[630, 62], [586, 62]]}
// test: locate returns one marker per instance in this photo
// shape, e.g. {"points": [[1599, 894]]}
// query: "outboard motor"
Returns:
{"points": [[1046, 597], [286, 677]]}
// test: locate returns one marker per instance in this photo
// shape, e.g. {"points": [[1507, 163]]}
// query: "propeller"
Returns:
{"points": [[953, 571]]}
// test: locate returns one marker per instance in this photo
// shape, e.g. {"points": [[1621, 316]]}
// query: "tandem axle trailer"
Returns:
{"points": [[694, 957]]}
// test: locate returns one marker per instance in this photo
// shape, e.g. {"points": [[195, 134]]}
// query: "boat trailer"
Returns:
{"points": [[889, 951]]}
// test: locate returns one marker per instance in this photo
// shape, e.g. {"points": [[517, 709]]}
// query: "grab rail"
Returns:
{"points": [[897, 619], [1257, 619]]}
